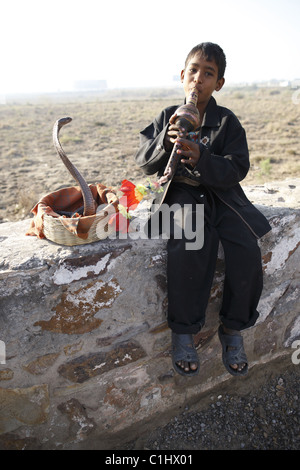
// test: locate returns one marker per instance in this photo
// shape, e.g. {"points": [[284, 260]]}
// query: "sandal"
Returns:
{"points": [[233, 352], [183, 349]]}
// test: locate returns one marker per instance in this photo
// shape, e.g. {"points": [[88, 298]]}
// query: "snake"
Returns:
{"points": [[89, 204]]}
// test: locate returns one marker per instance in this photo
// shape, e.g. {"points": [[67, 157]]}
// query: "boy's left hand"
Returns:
{"points": [[189, 150]]}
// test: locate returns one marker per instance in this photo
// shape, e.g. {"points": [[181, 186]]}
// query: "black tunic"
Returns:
{"points": [[223, 163]]}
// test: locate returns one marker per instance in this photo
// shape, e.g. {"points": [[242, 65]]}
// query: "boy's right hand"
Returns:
{"points": [[173, 132]]}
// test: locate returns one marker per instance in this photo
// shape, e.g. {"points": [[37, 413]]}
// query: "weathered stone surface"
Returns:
{"points": [[292, 332], [11, 441], [85, 267], [6, 374], [75, 312], [87, 345], [277, 194], [71, 349], [39, 365], [80, 424], [23, 406], [84, 367]]}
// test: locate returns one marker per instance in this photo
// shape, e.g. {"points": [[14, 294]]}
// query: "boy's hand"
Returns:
{"points": [[174, 131], [189, 150]]}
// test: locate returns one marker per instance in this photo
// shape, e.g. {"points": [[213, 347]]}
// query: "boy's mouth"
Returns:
{"points": [[199, 89]]}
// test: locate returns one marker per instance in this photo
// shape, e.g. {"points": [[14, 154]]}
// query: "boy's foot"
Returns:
{"points": [[184, 354], [187, 366], [233, 355]]}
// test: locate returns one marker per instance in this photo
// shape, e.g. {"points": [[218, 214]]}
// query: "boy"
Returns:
{"points": [[214, 159]]}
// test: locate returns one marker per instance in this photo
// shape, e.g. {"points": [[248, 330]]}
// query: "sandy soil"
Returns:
{"points": [[104, 136]]}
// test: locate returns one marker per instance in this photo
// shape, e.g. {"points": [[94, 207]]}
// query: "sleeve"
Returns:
{"points": [[151, 155], [226, 163]]}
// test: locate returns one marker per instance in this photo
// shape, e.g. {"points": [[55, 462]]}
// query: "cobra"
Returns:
{"points": [[89, 204]]}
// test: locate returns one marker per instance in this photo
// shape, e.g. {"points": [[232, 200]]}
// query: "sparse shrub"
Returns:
{"points": [[274, 92], [238, 95], [265, 166], [27, 198], [100, 123]]}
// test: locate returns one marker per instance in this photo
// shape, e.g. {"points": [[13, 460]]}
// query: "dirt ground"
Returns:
{"points": [[104, 135], [260, 411]]}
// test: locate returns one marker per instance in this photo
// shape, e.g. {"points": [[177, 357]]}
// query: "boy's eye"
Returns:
{"points": [[194, 70]]}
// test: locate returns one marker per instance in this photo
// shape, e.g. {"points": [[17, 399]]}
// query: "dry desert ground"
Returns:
{"points": [[104, 136]]}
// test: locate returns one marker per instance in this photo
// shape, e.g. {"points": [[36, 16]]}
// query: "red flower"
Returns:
{"points": [[121, 223], [132, 197], [129, 201]]}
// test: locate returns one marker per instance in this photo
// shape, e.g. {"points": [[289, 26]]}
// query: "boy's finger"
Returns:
{"points": [[173, 118]]}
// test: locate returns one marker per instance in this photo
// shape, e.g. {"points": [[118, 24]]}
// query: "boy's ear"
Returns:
{"points": [[220, 83], [182, 75]]}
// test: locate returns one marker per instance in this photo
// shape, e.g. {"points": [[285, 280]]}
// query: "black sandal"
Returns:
{"points": [[183, 349], [233, 352]]}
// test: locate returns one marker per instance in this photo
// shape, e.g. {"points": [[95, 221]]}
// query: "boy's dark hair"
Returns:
{"points": [[211, 51]]}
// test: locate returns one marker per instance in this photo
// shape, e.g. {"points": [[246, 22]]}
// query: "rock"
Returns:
{"points": [[40, 364], [86, 346], [285, 193], [23, 406], [80, 424], [84, 367]]}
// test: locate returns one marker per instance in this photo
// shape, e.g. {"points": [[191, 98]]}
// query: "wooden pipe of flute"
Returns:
{"points": [[188, 118]]}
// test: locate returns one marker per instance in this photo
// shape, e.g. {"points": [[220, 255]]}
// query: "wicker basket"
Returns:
{"points": [[56, 232]]}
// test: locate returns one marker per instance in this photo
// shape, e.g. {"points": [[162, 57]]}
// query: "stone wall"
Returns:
{"points": [[87, 349]]}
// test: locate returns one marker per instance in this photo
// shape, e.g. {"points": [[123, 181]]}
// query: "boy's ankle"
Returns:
{"points": [[229, 331]]}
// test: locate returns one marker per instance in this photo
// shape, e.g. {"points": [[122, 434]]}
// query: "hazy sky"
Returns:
{"points": [[47, 45]]}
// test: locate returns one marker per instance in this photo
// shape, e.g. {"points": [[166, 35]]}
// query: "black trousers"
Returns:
{"points": [[191, 272]]}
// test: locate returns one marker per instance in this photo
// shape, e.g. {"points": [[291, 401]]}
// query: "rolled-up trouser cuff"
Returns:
{"points": [[236, 325], [182, 329]]}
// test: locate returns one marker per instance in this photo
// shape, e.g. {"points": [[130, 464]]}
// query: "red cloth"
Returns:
{"points": [[70, 199]]}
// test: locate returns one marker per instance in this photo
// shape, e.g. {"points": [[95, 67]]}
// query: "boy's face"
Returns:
{"points": [[204, 75]]}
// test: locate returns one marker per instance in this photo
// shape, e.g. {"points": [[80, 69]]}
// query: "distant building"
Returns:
{"points": [[295, 83], [90, 85], [285, 83]]}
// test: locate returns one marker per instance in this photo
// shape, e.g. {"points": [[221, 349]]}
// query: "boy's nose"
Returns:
{"points": [[198, 78]]}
